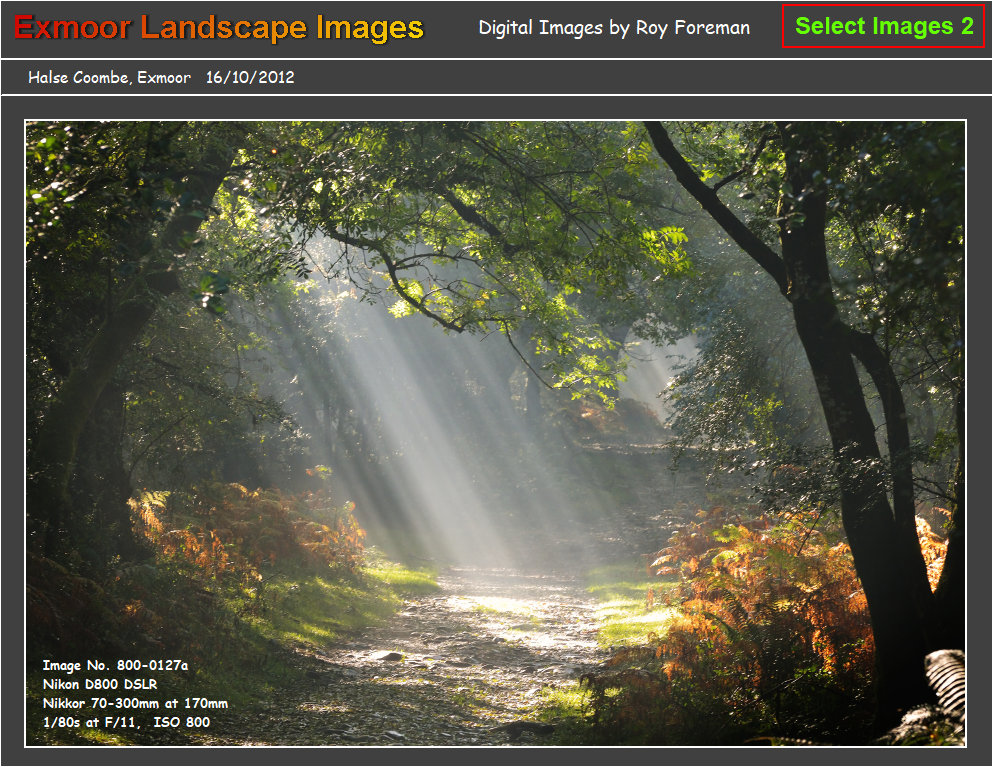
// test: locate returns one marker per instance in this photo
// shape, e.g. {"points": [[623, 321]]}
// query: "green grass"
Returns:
{"points": [[316, 610], [560, 703], [625, 618], [621, 590], [402, 580]]}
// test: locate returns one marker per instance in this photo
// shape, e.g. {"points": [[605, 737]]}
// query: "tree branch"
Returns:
{"points": [[744, 169], [746, 239], [527, 364], [865, 349]]}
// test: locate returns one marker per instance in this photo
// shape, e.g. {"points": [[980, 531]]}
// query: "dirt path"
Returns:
{"points": [[448, 670], [466, 666]]}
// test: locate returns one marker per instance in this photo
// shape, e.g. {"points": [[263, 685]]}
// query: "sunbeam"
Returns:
{"points": [[436, 436]]}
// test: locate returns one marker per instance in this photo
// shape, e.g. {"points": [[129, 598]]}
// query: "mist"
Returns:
{"points": [[450, 448]]}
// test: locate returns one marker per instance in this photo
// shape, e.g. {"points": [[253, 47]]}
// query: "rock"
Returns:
{"points": [[387, 655]]}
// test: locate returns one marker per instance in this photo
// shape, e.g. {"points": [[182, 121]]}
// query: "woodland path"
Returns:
{"points": [[465, 666], [447, 670]]}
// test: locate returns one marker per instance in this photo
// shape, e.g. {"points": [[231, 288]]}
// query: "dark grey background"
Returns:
{"points": [[768, 84], [974, 110], [451, 30]]}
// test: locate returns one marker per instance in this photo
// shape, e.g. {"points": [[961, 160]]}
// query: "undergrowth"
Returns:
{"points": [[761, 630], [241, 587]]}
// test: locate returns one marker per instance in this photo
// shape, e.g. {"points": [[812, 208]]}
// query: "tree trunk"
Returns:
{"points": [[949, 596], [54, 450], [879, 551], [885, 559], [101, 486], [865, 348]]}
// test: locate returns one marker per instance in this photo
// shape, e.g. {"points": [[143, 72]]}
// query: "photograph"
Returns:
{"points": [[577, 433]]}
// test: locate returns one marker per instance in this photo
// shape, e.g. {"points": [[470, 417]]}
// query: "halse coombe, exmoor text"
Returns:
{"points": [[144, 78], [120, 695]]}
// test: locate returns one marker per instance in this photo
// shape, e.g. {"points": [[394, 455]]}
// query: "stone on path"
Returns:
{"points": [[387, 655]]}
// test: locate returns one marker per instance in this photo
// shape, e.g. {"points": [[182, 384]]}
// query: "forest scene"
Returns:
{"points": [[495, 433]]}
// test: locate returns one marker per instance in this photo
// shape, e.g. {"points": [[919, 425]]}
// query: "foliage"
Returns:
{"points": [[746, 396], [934, 546], [112, 211], [894, 237], [229, 531], [895, 255], [194, 410], [558, 235], [771, 590], [100, 198], [215, 563], [827, 196], [628, 421], [486, 226], [68, 611], [772, 637]]}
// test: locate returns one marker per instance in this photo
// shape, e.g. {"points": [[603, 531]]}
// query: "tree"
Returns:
{"points": [[122, 204], [480, 227], [484, 226], [809, 175]]}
